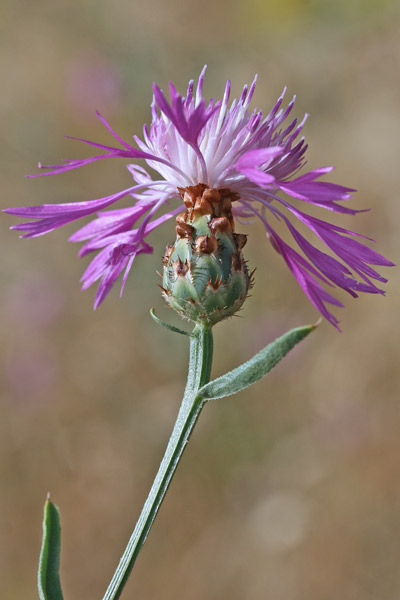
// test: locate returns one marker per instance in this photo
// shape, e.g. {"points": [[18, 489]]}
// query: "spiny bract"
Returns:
{"points": [[205, 277]]}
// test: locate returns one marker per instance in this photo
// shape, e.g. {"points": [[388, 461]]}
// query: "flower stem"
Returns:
{"points": [[201, 350]]}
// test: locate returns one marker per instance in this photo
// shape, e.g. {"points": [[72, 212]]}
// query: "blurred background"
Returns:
{"points": [[288, 491]]}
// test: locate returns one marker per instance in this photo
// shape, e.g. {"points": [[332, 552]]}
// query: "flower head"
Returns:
{"points": [[220, 146]]}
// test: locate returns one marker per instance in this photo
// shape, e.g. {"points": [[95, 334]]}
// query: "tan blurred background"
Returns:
{"points": [[289, 491]]}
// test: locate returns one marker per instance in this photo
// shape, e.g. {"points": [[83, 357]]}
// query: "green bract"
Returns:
{"points": [[205, 277]]}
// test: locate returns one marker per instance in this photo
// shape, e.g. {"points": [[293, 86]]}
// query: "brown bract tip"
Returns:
{"points": [[236, 262], [167, 254], [252, 279], [203, 200], [240, 240], [180, 268], [212, 195], [203, 206], [164, 292], [181, 218], [190, 193], [205, 244], [220, 224], [216, 283], [184, 230]]}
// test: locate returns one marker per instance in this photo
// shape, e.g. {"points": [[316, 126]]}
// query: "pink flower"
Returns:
{"points": [[189, 142]]}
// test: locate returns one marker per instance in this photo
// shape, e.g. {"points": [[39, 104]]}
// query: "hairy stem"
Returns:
{"points": [[201, 350]]}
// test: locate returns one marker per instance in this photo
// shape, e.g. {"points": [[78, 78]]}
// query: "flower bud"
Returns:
{"points": [[205, 277]]}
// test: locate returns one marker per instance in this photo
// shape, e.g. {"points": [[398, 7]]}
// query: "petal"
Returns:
{"points": [[258, 177], [257, 158], [52, 216]]}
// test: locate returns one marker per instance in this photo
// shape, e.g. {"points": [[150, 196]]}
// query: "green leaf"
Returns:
{"points": [[166, 325], [49, 562], [255, 368]]}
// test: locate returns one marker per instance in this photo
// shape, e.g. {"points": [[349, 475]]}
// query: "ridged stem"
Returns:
{"points": [[201, 350]]}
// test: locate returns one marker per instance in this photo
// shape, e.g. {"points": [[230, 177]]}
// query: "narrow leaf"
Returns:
{"points": [[255, 368], [166, 325], [49, 562]]}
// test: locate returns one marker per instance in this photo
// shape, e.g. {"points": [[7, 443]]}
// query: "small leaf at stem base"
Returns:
{"points": [[166, 325], [49, 562]]}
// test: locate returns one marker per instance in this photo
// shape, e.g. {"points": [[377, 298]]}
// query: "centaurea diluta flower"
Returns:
{"points": [[218, 146]]}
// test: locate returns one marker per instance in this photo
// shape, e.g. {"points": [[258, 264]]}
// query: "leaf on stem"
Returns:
{"points": [[166, 325], [49, 562], [255, 368]]}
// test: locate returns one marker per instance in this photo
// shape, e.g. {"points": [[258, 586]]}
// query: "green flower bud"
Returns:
{"points": [[205, 277]]}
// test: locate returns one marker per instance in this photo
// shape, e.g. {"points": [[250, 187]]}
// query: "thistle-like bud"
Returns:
{"points": [[205, 277]]}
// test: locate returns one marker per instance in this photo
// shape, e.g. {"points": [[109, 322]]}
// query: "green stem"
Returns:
{"points": [[201, 349]]}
